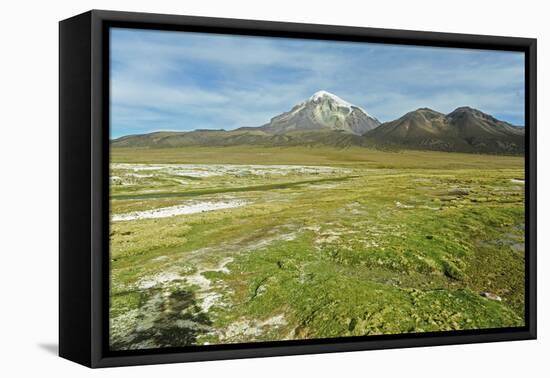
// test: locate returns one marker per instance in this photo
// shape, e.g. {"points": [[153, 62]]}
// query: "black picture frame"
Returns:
{"points": [[84, 186]]}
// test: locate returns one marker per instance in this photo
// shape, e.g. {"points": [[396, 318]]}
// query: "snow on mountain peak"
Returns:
{"points": [[320, 94], [317, 95]]}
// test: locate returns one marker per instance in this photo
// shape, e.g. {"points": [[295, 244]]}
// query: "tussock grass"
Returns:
{"points": [[406, 243]]}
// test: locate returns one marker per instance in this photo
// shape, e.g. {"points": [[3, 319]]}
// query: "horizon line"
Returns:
{"points": [[254, 127]]}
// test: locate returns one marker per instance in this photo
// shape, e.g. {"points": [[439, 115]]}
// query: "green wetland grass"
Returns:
{"points": [[317, 243]]}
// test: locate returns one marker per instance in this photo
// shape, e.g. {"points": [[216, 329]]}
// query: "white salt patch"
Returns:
{"points": [[222, 265], [160, 258], [137, 175], [199, 280], [208, 170], [277, 320], [315, 228], [159, 279], [195, 173], [203, 282], [403, 206], [516, 181], [265, 242], [253, 328], [141, 167], [208, 300], [207, 297], [430, 207], [192, 208]]}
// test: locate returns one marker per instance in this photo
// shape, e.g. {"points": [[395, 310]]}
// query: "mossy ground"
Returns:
{"points": [[383, 243]]}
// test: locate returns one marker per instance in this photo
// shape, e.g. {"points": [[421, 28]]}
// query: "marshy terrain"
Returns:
{"points": [[215, 245]]}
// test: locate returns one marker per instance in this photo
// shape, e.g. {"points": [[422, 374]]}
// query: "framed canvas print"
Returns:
{"points": [[234, 188]]}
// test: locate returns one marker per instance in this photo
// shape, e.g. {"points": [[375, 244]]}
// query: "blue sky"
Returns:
{"points": [[163, 80]]}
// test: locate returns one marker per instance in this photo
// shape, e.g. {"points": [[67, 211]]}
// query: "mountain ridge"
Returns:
{"points": [[465, 129], [326, 119]]}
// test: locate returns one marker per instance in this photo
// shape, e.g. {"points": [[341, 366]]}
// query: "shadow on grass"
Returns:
{"points": [[176, 321]]}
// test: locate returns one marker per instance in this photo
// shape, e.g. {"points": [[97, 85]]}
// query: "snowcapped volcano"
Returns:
{"points": [[323, 111], [319, 96], [325, 119]]}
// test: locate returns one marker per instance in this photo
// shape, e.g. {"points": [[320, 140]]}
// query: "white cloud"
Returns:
{"points": [[195, 81]]}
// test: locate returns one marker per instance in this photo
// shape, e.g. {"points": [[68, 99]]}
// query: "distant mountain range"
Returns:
{"points": [[465, 129], [326, 119]]}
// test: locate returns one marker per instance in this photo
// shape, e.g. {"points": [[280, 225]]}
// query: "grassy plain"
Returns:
{"points": [[321, 242]]}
